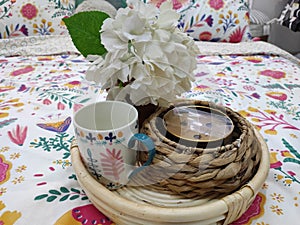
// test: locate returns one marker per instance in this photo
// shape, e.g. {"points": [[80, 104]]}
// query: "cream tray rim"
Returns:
{"points": [[180, 214]]}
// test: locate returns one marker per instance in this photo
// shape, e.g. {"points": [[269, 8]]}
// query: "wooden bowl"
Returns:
{"points": [[144, 205]]}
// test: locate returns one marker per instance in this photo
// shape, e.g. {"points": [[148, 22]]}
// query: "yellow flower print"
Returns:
{"points": [[253, 59], [63, 163], [293, 136], [288, 182], [100, 137], [20, 169], [279, 177], [257, 127], [244, 113], [228, 21], [265, 186], [277, 210], [2, 191], [65, 2], [271, 131], [4, 149], [255, 120], [15, 155], [277, 197], [120, 134], [6, 105], [81, 134], [272, 112], [274, 162], [18, 180], [252, 109], [286, 153], [9, 217], [44, 28]]}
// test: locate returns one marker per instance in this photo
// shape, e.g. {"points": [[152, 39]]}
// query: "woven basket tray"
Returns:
{"points": [[145, 205], [205, 172]]}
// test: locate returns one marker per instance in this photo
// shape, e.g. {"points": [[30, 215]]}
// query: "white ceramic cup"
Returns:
{"points": [[108, 140]]}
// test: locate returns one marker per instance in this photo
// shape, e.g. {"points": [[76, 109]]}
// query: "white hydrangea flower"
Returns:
{"points": [[147, 53]]}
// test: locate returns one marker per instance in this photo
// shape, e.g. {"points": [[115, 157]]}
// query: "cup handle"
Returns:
{"points": [[147, 141]]}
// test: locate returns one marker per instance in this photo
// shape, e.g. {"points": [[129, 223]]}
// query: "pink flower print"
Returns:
{"points": [[60, 106], [273, 73], [205, 36], [277, 95], [249, 88], [287, 153], [29, 11], [237, 35], [216, 4], [291, 173], [90, 213], [76, 107], [47, 101], [18, 135], [113, 163], [274, 162], [255, 210], [177, 4], [254, 59], [4, 170], [73, 84], [21, 71]]}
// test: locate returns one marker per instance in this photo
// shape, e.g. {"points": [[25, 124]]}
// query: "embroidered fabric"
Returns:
{"points": [[46, 45], [91, 5]]}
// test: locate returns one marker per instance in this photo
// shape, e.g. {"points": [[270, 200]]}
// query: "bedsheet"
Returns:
{"points": [[40, 90]]}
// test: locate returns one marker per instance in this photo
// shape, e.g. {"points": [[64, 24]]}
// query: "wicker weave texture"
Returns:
{"points": [[207, 172]]}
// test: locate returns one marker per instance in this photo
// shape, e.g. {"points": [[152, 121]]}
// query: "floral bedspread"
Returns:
{"points": [[38, 95]]}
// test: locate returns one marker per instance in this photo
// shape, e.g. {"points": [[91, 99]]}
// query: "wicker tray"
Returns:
{"points": [[144, 205]]}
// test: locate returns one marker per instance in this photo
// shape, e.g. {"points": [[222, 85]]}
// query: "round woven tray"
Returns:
{"points": [[201, 171], [145, 205]]}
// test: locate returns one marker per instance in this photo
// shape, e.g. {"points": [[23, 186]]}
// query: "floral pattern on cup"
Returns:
{"points": [[108, 141], [100, 139]]}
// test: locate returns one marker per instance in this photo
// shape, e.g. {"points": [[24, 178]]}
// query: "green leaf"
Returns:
{"points": [[234, 93], [64, 198], [84, 198], [54, 192], [291, 148], [74, 197], [85, 100], [66, 155], [39, 197], [228, 68], [84, 28], [51, 198], [75, 190], [64, 190], [292, 160]]}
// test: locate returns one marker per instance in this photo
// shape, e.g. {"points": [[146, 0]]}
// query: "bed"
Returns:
{"points": [[42, 83]]}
